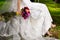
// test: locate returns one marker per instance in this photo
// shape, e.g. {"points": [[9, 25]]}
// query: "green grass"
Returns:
{"points": [[54, 9], [1, 3]]}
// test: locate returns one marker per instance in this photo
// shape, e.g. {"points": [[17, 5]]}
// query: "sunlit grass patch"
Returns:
{"points": [[54, 9]]}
